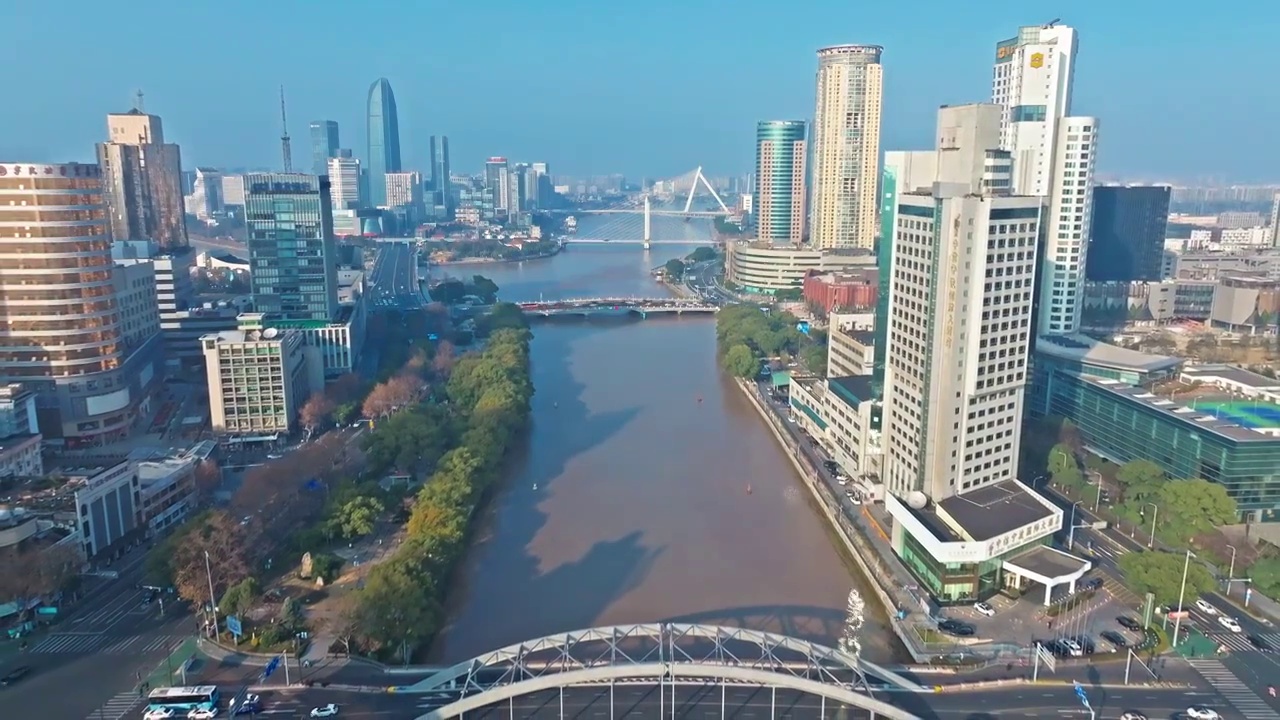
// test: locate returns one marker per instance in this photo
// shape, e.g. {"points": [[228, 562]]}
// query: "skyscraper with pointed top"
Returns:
{"points": [[384, 140]]}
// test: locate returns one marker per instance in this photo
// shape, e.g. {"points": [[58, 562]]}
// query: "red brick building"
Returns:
{"points": [[853, 290]]}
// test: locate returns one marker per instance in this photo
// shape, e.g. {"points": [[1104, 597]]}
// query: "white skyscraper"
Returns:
{"points": [[1053, 157], [344, 181], [846, 147], [963, 270]]}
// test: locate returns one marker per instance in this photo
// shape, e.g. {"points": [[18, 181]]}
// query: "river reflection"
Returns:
{"points": [[641, 453]]}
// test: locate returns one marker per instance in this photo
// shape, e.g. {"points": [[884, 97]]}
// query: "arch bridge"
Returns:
{"points": [[663, 654]]}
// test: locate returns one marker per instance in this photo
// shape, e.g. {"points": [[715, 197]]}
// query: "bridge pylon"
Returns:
{"points": [[646, 222]]}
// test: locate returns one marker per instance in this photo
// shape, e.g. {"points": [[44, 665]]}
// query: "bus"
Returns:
{"points": [[184, 699]]}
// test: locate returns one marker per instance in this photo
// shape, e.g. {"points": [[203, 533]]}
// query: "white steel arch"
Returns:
{"points": [[660, 651], [609, 673]]}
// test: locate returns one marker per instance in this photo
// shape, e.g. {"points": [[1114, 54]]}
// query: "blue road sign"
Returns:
{"points": [[313, 484], [271, 667], [233, 626], [1084, 699]]}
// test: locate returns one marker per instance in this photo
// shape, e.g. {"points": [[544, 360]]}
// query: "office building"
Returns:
{"points": [[780, 188], [1054, 155], [205, 199], [525, 183], [135, 289], [384, 140], [324, 145], [1275, 221], [344, 181], [289, 228], [1127, 238], [846, 147], [233, 191], [404, 190], [142, 180], [258, 380], [167, 490], [174, 296], [108, 509], [960, 318], [19, 433], [62, 326], [441, 185], [761, 267], [497, 180]]}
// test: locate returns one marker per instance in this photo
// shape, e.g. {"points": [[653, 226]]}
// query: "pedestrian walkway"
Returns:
{"points": [[66, 643], [117, 707], [1235, 642], [1249, 703], [142, 644]]}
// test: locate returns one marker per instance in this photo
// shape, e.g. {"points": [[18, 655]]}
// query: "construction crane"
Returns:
{"points": [[284, 136]]}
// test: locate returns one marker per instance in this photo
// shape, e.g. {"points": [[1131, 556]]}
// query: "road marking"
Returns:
{"points": [[117, 707], [68, 643], [1249, 703]]}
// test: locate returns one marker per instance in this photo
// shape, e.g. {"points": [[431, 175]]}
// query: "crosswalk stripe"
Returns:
{"points": [[1249, 703], [117, 707], [67, 643]]}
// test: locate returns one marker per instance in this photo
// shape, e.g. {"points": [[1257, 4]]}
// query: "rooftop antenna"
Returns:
{"points": [[137, 101], [1053, 22], [284, 136]]}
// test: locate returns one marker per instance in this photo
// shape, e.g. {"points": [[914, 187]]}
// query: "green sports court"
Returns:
{"points": [[1247, 413]]}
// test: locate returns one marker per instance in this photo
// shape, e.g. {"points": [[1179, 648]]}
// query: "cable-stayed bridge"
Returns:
{"points": [[635, 215]]}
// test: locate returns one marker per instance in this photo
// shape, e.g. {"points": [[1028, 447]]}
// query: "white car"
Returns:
{"points": [[1206, 608], [1133, 716], [329, 710], [199, 714], [162, 713], [1230, 624], [984, 609], [1200, 712]]}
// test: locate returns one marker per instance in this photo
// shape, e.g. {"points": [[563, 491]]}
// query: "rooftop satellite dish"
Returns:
{"points": [[255, 335], [270, 333], [917, 500]]}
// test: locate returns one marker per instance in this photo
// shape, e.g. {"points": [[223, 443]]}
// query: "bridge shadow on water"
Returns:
{"points": [[501, 595]]}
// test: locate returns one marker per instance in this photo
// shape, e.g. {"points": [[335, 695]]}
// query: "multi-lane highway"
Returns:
{"points": [[704, 278], [91, 663], [393, 283]]}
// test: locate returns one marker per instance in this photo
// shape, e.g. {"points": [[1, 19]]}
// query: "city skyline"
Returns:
{"points": [[587, 133]]}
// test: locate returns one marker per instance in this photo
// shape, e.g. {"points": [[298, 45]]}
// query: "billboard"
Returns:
{"points": [[1005, 50]]}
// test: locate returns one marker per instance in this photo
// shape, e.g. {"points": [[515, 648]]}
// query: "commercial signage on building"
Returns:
{"points": [[1037, 60], [73, 170], [283, 188], [1005, 50]]}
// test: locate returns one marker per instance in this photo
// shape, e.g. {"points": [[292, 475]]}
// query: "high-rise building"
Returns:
{"points": [[62, 329], [963, 271], [289, 228], [205, 199], [960, 316], [442, 198], [1053, 156], [1275, 221], [497, 179], [233, 191], [1127, 238], [258, 380], [344, 181], [324, 144], [142, 179], [546, 189], [846, 147], [384, 140], [404, 195], [779, 200]]}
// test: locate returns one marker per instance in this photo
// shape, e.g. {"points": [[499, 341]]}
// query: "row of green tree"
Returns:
{"points": [[747, 334], [488, 399]]}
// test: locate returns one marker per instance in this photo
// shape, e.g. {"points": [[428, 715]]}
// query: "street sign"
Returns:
{"points": [[271, 667], [233, 626], [1084, 699]]}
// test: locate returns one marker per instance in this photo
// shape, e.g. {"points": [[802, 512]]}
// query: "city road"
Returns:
{"points": [[393, 282]]}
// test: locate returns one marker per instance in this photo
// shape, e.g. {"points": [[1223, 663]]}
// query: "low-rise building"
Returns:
{"points": [[850, 352], [258, 380], [843, 414], [183, 329], [168, 489], [108, 509], [854, 290], [1248, 304], [18, 410], [760, 267], [20, 457]]}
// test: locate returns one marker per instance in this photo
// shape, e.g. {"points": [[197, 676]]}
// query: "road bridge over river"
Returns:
{"points": [[617, 307]]}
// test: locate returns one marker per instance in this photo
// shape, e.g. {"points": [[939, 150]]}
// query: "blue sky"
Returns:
{"points": [[599, 86]]}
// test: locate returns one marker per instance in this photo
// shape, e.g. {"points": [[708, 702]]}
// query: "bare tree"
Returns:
{"points": [[316, 411], [446, 355], [387, 397], [212, 552], [208, 477]]}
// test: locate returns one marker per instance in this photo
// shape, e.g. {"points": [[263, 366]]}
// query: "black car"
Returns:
{"points": [[14, 676], [1093, 583], [1128, 623], [956, 627], [1261, 643], [1115, 639]]}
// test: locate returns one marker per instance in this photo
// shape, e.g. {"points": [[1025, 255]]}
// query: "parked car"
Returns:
{"points": [[1115, 639], [984, 609], [1129, 623], [951, 626], [15, 676]]}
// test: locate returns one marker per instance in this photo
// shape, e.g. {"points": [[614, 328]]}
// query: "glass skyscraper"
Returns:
{"points": [[780, 177], [289, 224], [440, 173], [384, 140], [324, 145], [1127, 234]]}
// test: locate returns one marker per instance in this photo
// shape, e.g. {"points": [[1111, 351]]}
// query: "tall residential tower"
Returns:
{"points": [[846, 147], [384, 140], [780, 181], [1053, 157], [324, 145], [142, 180]]}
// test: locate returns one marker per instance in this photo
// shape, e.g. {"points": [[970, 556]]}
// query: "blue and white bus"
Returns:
{"points": [[183, 700]]}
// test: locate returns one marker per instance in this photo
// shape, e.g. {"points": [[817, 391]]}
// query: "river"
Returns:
{"points": [[641, 511]]}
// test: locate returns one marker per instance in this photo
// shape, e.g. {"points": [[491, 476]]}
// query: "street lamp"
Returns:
{"points": [[1071, 534], [1231, 571], [213, 603], [1155, 513], [1182, 594]]}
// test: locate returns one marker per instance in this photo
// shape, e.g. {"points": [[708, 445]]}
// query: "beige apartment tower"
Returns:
{"points": [[142, 181], [846, 147], [258, 380]]}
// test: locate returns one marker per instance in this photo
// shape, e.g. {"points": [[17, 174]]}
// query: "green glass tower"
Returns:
{"points": [[780, 180]]}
